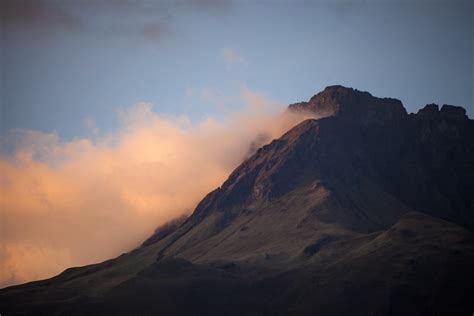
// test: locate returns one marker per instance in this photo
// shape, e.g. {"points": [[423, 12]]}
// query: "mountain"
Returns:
{"points": [[368, 210]]}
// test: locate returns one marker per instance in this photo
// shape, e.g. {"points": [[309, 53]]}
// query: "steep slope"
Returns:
{"points": [[358, 169], [369, 210]]}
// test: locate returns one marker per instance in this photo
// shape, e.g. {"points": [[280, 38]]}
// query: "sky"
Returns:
{"points": [[67, 65], [118, 116]]}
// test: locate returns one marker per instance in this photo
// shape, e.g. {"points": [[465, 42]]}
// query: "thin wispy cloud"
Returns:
{"points": [[189, 92], [205, 4], [153, 31], [37, 15], [217, 98], [141, 18], [231, 58]]}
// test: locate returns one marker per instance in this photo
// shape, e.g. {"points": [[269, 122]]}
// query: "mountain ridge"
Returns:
{"points": [[366, 187]]}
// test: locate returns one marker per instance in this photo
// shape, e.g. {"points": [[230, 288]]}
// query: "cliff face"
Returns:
{"points": [[368, 210], [424, 160]]}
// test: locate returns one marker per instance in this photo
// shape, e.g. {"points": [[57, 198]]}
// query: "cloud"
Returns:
{"points": [[231, 58], [217, 98], [205, 4], [148, 20], [51, 16], [71, 203], [37, 14], [152, 30], [189, 92]]}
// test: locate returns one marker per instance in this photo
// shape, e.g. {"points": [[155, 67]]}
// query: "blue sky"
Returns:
{"points": [[71, 62]]}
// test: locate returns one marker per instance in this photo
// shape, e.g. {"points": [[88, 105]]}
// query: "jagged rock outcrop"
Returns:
{"points": [[352, 104], [429, 110], [447, 112], [453, 111]]}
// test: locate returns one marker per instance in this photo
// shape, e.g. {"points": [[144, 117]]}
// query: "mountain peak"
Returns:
{"points": [[369, 200], [349, 103], [447, 111]]}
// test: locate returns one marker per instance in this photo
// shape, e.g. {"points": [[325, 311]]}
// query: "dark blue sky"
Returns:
{"points": [[67, 64]]}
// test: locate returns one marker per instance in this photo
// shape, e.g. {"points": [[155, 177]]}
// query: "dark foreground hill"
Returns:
{"points": [[366, 211]]}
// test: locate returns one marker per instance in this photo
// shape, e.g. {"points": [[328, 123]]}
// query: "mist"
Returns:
{"points": [[81, 201]]}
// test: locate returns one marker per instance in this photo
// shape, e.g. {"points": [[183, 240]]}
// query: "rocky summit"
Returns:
{"points": [[347, 103], [367, 210]]}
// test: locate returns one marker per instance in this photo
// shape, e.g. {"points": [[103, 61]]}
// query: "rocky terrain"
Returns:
{"points": [[368, 210]]}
